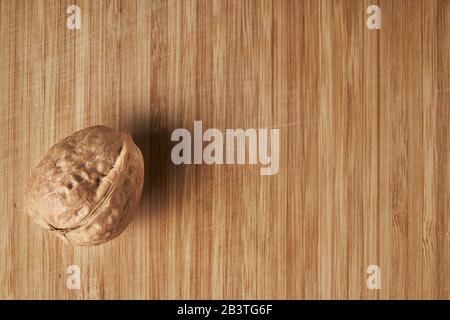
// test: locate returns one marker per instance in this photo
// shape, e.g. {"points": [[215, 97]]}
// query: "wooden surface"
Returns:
{"points": [[363, 114]]}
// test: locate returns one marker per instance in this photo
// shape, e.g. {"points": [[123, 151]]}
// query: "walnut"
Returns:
{"points": [[86, 188]]}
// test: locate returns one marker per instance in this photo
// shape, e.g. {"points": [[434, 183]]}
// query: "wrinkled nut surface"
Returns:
{"points": [[86, 188]]}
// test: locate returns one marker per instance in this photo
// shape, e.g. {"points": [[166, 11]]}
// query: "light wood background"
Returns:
{"points": [[365, 152]]}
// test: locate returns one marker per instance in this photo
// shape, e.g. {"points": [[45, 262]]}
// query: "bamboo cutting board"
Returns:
{"points": [[363, 114]]}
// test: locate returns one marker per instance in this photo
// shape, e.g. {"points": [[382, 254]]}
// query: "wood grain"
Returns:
{"points": [[364, 119]]}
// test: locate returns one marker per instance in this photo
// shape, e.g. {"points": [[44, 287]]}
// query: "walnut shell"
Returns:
{"points": [[86, 188]]}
